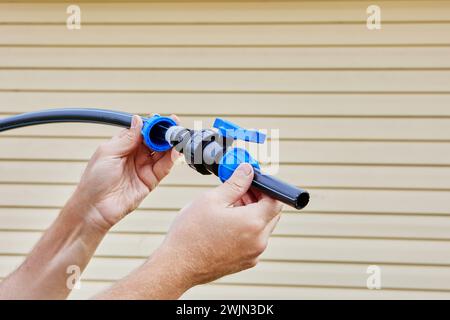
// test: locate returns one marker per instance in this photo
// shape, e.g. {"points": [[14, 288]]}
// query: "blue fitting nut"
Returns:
{"points": [[231, 160], [153, 132]]}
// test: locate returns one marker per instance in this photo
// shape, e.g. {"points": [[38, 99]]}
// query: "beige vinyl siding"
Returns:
{"points": [[364, 118]]}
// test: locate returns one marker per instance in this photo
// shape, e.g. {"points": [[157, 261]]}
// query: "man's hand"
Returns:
{"points": [[121, 174], [222, 232]]}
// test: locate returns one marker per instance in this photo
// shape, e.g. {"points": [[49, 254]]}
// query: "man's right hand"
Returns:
{"points": [[222, 232]]}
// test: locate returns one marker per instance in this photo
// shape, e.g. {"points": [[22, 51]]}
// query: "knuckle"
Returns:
{"points": [[272, 207], [255, 248], [152, 186], [255, 225], [259, 247], [165, 171], [130, 135], [252, 263]]}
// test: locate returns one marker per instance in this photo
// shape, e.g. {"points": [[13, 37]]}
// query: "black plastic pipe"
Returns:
{"points": [[282, 191], [121, 119], [275, 188]]}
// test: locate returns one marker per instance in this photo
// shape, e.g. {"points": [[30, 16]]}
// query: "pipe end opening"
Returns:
{"points": [[302, 200], [158, 131]]}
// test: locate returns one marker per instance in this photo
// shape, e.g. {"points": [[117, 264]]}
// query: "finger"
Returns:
{"points": [[268, 230], [148, 177], [143, 155], [162, 167], [248, 198], [238, 203], [257, 193], [144, 165], [266, 208], [146, 156], [146, 160], [236, 186], [175, 118], [127, 140]]}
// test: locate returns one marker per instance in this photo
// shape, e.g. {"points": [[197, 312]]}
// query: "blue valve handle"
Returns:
{"points": [[230, 130], [231, 160]]}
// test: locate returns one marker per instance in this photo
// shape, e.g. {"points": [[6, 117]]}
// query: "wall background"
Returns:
{"points": [[364, 118]]}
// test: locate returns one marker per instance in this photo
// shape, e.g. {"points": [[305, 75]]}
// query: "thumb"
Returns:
{"points": [[237, 185], [126, 140]]}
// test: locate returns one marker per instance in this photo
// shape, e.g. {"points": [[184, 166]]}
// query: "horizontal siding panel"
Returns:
{"points": [[306, 175], [303, 224], [220, 58], [219, 81], [227, 292], [338, 275], [298, 274], [322, 200], [288, 128], [276, 273], [223, 12], [317, 224], [290, 151], [404, 105], [283, 249], [284, 293], [226, 35]]}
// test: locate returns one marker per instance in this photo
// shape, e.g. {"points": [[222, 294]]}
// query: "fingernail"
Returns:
{"points": [[174, 117], [245, 169], [133, 122]]}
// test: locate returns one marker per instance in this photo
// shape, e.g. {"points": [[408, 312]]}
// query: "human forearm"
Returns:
{"points": [[70, 241], [162, 277]]}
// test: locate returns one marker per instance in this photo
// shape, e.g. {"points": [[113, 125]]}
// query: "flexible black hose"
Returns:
{"points": [[121, 119]]}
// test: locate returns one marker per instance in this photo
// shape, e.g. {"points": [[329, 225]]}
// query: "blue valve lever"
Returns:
{"points": [[231, 130]]}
